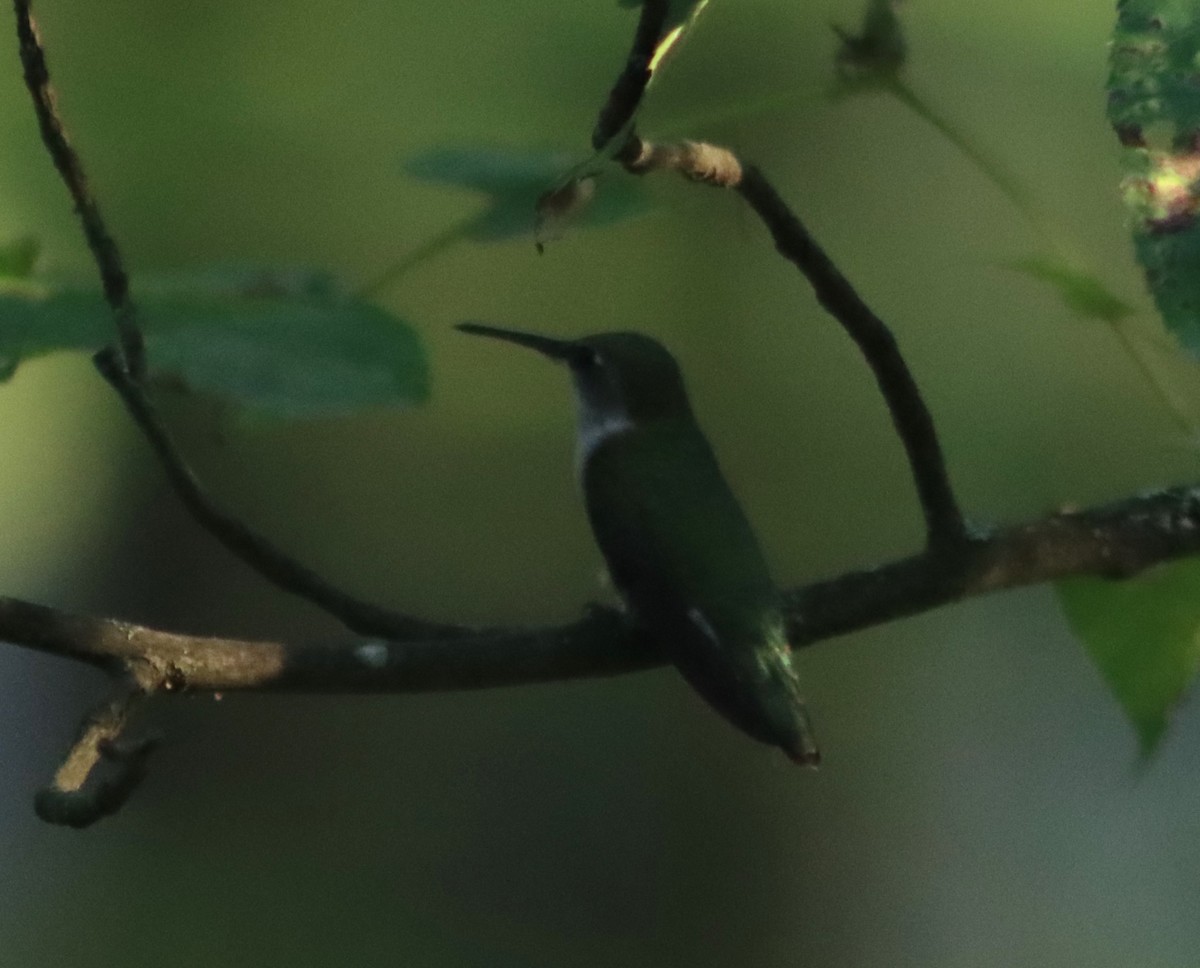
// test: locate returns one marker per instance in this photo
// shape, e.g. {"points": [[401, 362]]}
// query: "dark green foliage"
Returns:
{"points": [[1154, 107], [286, 343], [1152, 78]]}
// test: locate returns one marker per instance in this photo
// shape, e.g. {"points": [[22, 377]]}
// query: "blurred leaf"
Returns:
{"points": [[1154, 107], [513, 182], [1169, 253], [1144, 634], [283, 342], [1084, 294], [18, 257], [874, 56]]}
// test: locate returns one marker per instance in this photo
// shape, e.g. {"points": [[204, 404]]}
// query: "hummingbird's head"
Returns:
{"points": [[620, 378]]}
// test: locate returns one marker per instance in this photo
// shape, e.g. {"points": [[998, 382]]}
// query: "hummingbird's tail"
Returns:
{"points": [[755, 687], [803, 750]]}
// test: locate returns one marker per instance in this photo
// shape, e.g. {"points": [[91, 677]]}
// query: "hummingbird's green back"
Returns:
{"points": [[683, 555]]}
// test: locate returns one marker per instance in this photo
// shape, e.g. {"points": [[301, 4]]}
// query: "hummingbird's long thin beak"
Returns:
{"points": [[556, 349]]}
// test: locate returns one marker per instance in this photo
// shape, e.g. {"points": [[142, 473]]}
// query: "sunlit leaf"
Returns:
{"points": [[1154, 107], [681, 17], [283, 342], [1083, 293], [1144, 635], [512, 182]]}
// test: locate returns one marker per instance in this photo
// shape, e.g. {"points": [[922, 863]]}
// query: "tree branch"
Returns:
{"points": [[913, 422], [1115, 540], [1111, 541], [599, 644], [715, 165]]}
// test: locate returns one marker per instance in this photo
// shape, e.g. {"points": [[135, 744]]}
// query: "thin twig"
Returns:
{"points": [[716, 165], [104, 249], [914, 424], [630, 86], [78, 796]]}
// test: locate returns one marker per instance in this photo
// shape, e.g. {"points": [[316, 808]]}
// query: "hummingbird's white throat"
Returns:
{"points": [[596, 423]]}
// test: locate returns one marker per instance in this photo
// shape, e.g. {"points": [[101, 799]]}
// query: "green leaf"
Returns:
{"points": [[1154, 107], [1144, 635], [18, 257], [1170, 258], [285, 343], [1083, 293], [513, 181], [1152, 65]]}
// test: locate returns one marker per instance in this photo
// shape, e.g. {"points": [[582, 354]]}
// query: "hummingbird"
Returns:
{"points": [[677, 544]]}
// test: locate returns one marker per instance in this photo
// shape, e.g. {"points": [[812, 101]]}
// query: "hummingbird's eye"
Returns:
{"points": [[586, 359]]}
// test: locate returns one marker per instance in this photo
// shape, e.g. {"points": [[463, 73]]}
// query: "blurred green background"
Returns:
{"points": [[981, 804]]}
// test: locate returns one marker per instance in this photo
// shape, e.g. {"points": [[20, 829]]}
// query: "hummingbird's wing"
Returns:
{"points": [[683, 555], [666, 520]]}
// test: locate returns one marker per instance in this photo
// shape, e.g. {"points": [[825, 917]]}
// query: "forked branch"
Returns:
{"points": [[718, 166]]}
